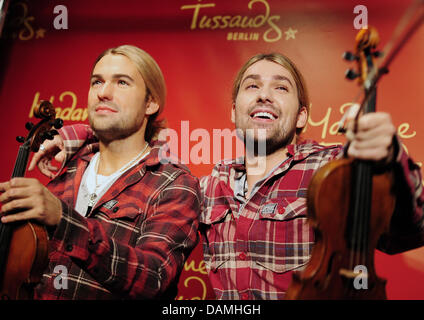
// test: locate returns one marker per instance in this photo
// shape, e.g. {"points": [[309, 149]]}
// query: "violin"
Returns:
{"points": [[24, 245], [350, 202]]}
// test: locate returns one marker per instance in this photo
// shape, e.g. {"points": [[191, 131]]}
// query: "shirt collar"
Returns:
{"points": [[307, 147], [297, 151], [159, 154]]}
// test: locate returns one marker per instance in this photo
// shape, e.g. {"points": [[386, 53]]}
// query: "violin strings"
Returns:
{"points": [[18, 163], [359, 213], [365, 214], [21, 162], [370, 105], [354, 212], [360, 217]]}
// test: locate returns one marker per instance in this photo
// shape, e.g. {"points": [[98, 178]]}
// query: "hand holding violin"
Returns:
{"points": [[31, 199], [373, 139], [52, 149]]}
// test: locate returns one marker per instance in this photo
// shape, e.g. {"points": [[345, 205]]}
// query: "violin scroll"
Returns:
{"points": [[41, 131], [366, 42]]}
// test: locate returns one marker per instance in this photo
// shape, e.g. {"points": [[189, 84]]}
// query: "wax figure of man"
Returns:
{"points": [[121, 222], [254, 215]]}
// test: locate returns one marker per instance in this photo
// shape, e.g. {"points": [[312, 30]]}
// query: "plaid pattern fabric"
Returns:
{"points": [[251, 249], [136, 239]]}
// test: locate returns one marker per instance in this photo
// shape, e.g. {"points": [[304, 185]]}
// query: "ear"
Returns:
{"points": [[302, 117], [151, 107], [233, 113]]}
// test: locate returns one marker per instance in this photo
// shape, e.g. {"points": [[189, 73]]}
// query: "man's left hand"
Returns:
{"points": [[373, 139]]}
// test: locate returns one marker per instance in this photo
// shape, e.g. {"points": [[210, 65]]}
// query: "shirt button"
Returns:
{"points": [[69, 247], [244, 296], [242, 256], [115, 209]]}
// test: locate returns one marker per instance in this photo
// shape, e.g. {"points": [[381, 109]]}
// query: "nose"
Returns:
{"points": [[264, 95], [105, 92]]}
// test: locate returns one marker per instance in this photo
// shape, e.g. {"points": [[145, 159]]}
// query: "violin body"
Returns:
{"points": [[26, 260], [330, 271]]}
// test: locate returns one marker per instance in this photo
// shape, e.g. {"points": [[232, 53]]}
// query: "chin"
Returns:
{"points": [[269, 145]]}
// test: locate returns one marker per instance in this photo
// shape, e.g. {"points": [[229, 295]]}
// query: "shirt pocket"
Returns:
{"points": [[280, 239], [122, 222], [283, 209], [127, 212], [217, 247]]}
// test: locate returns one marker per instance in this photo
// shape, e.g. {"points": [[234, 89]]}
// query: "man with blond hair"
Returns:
{"points": [[121, 223], [254, 214], [255, 221]]}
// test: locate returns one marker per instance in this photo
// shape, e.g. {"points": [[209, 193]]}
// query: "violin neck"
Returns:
{"points": [[361, 194], [21, 161], [360, 206], [371, 100]]}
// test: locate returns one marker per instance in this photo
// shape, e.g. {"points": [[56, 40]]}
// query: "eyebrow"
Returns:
{"points": [[114, 76], [275, 77]]}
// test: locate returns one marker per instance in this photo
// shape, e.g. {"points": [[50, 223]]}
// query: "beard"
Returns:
{"points": [[258, 144], [107, 130], [115, 131]]}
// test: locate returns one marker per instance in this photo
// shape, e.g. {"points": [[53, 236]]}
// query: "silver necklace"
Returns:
{"points": [[93, 196]]}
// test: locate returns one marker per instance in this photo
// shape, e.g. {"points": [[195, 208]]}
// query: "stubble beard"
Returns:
{"points": [[108, 130], [258, 144]]}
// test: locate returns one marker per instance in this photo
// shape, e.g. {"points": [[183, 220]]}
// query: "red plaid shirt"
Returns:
{"points": [[136, 239], [252, 247]]}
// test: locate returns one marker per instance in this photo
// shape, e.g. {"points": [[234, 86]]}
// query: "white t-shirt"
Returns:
{"points": [[88, 184]]}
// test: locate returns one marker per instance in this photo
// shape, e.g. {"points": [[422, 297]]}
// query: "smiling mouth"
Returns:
{"points": [[263, 115]]}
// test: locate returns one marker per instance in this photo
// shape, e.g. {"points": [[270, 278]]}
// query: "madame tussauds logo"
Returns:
{"points": [[203, 21]]}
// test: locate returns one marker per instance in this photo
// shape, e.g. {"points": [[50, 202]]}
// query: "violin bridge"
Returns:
{"points": [[352, 274]]}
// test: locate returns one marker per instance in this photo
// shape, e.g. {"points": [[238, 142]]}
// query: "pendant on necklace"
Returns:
{"points": [[92, 199]]}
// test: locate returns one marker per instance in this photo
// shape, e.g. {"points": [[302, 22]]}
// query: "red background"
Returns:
{"points": [[199, 66]]}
